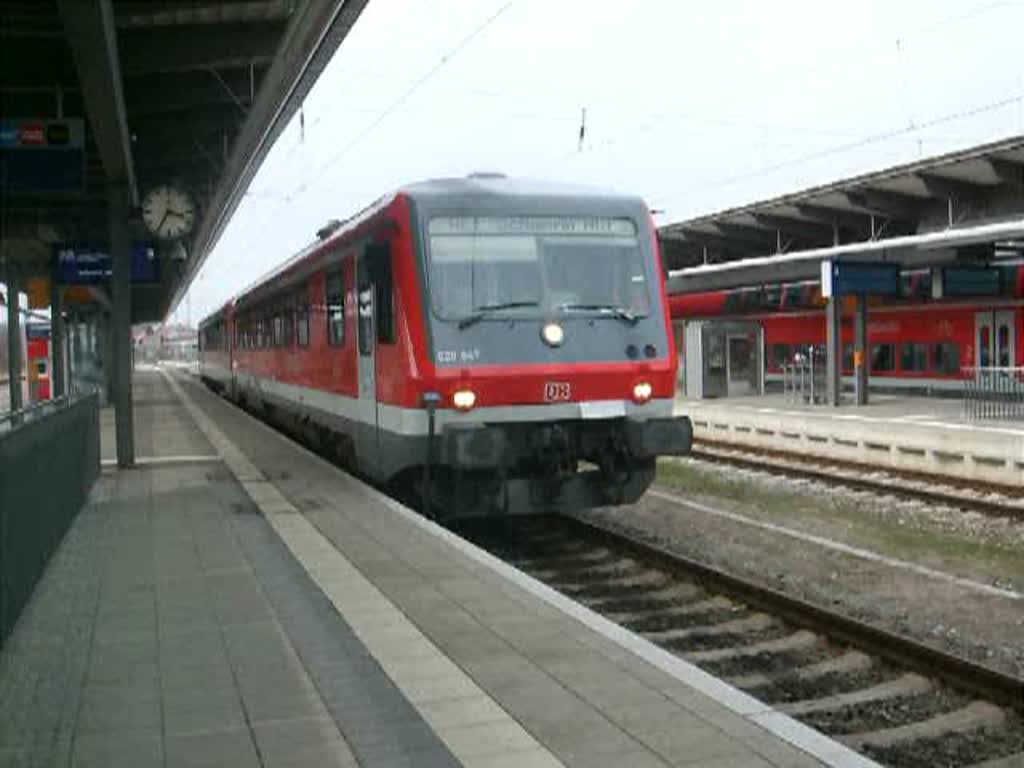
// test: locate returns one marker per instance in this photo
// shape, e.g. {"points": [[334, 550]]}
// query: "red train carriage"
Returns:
{"points": [[37, 339], [512, 337], [914, 342]]}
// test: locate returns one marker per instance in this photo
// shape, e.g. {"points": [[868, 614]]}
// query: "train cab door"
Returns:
{"points": [[741, 377], [994, 339], [366, 436]]}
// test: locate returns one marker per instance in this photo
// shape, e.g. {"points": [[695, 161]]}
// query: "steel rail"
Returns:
{"points": [[811, 468], [954, 670]]}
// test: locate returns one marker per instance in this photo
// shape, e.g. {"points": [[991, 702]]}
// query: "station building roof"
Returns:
{"points": [[171, 91], [967, 204]]}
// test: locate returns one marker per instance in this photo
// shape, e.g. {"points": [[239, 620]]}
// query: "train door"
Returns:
{"points": [[994, 339], [366, 434], [739, 363]]}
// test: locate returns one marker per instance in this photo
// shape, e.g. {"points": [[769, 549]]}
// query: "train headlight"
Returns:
{"points": [[464, 399], [642, 392], [553, 334]]}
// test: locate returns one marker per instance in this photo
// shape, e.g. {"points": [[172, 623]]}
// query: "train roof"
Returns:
{"points": [[499, 185], [475, 185]]}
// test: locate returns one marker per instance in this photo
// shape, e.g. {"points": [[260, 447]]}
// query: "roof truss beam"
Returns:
{"points": [[180, 49], [834, 217], [808, 230], [946, 188], [888, 205], [748, 233], [133, 15], [1007, 171], [90, 31], [719, 243], [164, 93], [314, 32]]}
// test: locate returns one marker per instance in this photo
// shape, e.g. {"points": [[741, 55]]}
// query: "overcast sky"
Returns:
{"points": [[694, 106]]}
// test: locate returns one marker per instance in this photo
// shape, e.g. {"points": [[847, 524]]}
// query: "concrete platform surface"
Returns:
{"points": [[266, 609], [920, 434]]}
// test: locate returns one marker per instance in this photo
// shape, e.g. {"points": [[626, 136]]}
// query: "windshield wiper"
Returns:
{"points": [[622, 313], [483, 310]]}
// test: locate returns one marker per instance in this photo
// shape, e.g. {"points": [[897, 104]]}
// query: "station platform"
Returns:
{"points": [[237, 601], [916, 433]]}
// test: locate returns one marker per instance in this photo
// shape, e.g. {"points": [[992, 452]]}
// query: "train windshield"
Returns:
{"points": [[525, 265]]}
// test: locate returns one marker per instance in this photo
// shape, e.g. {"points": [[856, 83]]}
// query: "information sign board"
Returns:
{"points": [[84, 264], [964, 281], [42, 155], [859, 278]]}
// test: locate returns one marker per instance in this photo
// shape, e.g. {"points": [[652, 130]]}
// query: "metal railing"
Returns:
{"points": [[32, 411], [994, 393], [49, 461], [803, 380]]}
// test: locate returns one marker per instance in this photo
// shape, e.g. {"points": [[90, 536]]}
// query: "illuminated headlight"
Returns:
{"points": [[642, 392], [552, 334], [464, 399]]}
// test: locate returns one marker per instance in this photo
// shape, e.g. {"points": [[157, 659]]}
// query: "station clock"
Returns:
{"points": [[169, 212]]}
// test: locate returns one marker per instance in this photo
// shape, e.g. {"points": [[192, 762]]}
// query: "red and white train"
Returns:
{"points": [[502, 345], [915, 343]]}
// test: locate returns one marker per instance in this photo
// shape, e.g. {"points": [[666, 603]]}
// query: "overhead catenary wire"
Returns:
{"points": [[287, 197], [402, 99]]}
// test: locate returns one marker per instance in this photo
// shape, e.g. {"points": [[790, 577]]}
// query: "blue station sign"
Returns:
{"points": [[82, 264], [859, 278], [42, 155]]}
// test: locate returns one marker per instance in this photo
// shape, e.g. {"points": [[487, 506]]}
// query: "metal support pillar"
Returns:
{"points": [[14, 350], [121, 325], [860, 351], [58, 380], [102, 352], [834, 351]]}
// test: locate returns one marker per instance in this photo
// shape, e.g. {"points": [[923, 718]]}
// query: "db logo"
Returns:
{"points": [[557, 391]]}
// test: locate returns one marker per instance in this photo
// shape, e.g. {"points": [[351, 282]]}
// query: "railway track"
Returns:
{"points": [[978, 497], [902, 703]]}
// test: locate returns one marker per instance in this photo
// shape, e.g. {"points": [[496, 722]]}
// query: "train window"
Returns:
{"points": [[847, 358], [555, 263], [302, 323], [288, 321], [947, 357], [913, 357], [883, 358], [278, 330], [335, 309], [384, 292]]}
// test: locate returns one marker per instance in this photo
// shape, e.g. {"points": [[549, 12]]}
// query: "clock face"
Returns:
{"points": [[169, 212]]}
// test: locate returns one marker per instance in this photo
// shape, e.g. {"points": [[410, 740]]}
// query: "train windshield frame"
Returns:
{"points": [[532, 266]]}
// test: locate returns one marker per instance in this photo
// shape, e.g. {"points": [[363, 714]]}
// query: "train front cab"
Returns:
{"points": [[548, 358]]}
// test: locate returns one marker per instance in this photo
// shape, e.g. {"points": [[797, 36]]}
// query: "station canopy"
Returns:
{"points": [[148, 93], [963, 206]]}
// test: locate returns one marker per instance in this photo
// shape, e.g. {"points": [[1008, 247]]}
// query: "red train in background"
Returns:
{"points": [[915, 343], [503, 346], [37, 340]]}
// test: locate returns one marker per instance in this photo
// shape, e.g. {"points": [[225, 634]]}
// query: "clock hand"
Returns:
{"points": [[161, 224]]}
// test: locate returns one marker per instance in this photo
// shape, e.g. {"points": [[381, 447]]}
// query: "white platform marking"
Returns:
{"points": [[424, 674]]}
